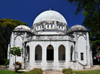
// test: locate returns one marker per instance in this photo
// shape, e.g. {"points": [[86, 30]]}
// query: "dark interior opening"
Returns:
{"points": [[50, 54]]}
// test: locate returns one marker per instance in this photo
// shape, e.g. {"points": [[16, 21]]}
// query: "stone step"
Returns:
{"points": [[52, 72]]}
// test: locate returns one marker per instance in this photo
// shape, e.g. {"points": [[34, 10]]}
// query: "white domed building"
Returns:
{"points": [[50, 44]]}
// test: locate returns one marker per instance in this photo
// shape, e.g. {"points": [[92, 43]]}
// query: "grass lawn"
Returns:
{"points": [[77, 72], [88, 72], [11, 72]]}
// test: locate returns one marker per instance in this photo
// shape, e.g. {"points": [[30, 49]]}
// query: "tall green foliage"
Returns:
{"points": [[91, 11], [15, 51], [6, 27]]}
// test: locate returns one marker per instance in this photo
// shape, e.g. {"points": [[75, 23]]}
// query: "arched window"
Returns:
{"points": [[38, 53], [48, 26], [42, 26], [27, 53], [71, 53], [61, 52], [37, 27], [51, 26], [18, 42]]}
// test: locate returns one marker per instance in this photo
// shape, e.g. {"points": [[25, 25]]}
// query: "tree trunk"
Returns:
{"points": [[15, 59]]}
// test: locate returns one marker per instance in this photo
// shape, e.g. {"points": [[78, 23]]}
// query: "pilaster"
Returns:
{"points": [[55, 25], [44, 25], [64, 27]]}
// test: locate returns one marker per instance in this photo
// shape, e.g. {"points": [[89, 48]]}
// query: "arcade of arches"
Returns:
{"points": [[49, 53]]}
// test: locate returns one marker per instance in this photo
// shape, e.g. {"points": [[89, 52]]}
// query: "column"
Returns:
{"points": [[12, 59], [23, 55], [44, 63], [56, 62], [32, 57], [67, 54]]}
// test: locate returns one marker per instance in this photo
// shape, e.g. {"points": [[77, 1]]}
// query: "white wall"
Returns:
{"points": [[82, 49], [18, 43], [44, 45]]}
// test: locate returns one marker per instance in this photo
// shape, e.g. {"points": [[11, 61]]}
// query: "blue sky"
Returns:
{"points": [[28, 10]]}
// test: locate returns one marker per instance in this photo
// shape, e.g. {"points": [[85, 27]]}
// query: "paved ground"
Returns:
{"points": [[2, 67], [52, 72], [95, 67]]}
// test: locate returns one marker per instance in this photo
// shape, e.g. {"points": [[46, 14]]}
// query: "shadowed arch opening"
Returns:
{"points": [[27, 53], [50, 53], [61, 52], [38, 52], [71, 53]]}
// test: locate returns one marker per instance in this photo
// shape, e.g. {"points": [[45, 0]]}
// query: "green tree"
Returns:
{"points": [[91, 11], [16, 51], [6, 27]]}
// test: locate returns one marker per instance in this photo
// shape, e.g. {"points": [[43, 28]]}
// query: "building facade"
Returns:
{"points": [[50, 44]]}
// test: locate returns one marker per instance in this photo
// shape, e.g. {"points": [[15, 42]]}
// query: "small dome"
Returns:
{"points": [[77, 28], [50, 15], [22, 28]]}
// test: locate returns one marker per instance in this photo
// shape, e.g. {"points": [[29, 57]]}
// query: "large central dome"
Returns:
{"points": [[50, 15], [49, 22]]}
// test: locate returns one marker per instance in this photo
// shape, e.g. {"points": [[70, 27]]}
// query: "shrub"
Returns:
{"points": [[67, 71], [36, 71], [33, 72], [6, 62], [64, 70]]}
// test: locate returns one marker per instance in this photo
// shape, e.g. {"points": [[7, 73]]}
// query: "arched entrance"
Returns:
{"points": [[38, 53], [50, 53], [61, 52]]}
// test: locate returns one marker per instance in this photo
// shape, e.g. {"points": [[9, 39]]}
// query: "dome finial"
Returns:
{"points": [[49, 8]]}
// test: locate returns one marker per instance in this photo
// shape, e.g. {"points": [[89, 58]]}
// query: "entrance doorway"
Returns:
{"points": [[50, 53]]}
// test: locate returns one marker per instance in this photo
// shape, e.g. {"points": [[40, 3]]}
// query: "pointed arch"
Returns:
{"points": [[61, 51], [50, 52], [18, 42], [71, 53], [27, 53], [38, 52]]}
